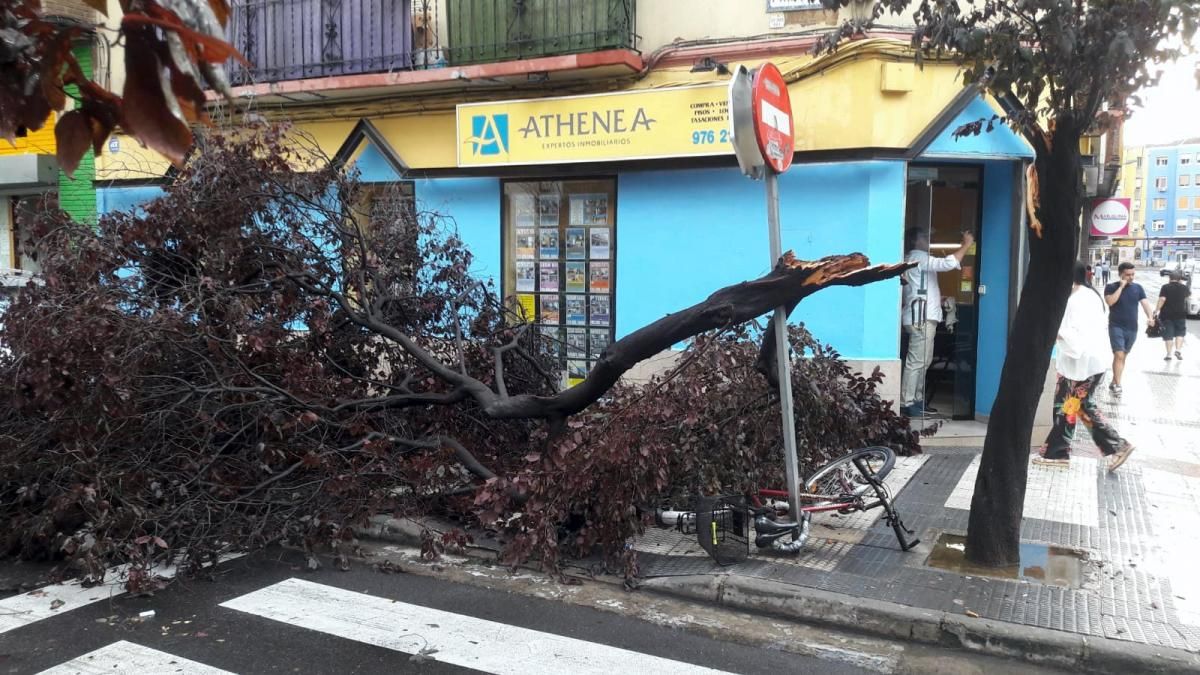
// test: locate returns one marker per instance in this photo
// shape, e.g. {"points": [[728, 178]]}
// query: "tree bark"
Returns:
{"points": [[787, 284], [994, 528]]}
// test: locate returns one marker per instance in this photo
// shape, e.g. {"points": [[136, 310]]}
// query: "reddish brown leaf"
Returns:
{"points": [[203, 47], [101, 125], [73, 136], [189, 94], [146, 113], [221, 9]]}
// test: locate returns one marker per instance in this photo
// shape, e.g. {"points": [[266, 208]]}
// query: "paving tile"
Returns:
{"points": [[1139, 528]]}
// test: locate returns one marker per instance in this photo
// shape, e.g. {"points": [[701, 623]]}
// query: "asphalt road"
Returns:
{"points": [[190, 623]]}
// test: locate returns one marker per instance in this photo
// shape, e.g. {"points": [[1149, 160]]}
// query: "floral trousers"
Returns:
{"points": [[1074, 402]]}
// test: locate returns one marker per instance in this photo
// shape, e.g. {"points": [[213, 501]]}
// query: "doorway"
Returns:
{"points": [[945, 201]]}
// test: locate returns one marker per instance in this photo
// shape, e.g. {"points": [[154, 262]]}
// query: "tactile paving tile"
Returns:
{"points": [[668, 542], [1059, 494]]}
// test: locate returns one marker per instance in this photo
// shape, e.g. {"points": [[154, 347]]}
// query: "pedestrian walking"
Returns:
{"points": [[922, 312], [1105, 271], [1123, 297], [1081, 362], [1172, 314]]}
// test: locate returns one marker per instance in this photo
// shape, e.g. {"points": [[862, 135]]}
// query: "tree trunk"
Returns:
{"points": [[994, 529]]}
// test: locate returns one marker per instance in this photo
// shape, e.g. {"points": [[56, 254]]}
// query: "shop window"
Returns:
{"points": [[1160, 183], [1159, 225], [560, 264], [1160, 204]]}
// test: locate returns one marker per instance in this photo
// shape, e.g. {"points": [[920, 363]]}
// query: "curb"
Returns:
{"points": [[1040, 646]]}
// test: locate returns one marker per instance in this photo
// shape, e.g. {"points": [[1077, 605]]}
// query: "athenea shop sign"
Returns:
{"points": [[644, 124]]}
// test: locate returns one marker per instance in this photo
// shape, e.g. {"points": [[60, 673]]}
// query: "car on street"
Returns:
{"points": [[1184, 268]]}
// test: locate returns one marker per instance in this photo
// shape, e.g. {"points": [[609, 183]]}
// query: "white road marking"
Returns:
{"points": [[450, 638], [126, 657], [775, 118], [1062, 494], [55, 599]]}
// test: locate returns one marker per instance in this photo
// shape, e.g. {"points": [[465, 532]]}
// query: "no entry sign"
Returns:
{"points": [[773, 117]]}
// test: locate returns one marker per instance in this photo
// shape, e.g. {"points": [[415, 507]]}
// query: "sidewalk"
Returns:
{"points": [[1138, 530]]}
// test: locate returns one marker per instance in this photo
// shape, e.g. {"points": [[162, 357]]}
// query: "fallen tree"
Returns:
{"points": [[268, 354]]}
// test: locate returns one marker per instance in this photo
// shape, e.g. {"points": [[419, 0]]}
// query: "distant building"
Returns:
{"points": [[1170, 212]]}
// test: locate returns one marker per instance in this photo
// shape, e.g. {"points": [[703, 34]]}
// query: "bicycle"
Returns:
{"points": [[853, 483]]}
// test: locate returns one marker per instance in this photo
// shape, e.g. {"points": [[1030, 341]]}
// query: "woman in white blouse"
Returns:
{"points": [[1083, 357]]}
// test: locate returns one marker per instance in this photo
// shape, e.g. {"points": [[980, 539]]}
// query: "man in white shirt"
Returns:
{"points": [[922, 311]]}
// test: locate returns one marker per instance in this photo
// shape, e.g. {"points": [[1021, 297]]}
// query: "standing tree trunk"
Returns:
{"points": [[994, 529]]}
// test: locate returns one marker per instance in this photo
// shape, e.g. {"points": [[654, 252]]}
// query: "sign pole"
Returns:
{"points": [[783, 360], [763, 138]]}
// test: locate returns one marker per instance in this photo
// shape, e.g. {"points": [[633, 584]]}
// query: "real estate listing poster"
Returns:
{"points": [[601, 314], [550, 310], [547, 276], [526, 243], [526, 276], [599, 281], [548, 243], [601, 243], [576, 277], [576, 310], [576, 243]]}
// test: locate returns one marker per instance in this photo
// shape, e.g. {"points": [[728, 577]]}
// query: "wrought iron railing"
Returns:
{"points": [[298, 39]]}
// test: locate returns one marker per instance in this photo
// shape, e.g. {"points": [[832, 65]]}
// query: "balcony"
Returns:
{"points": [[306, 39]]}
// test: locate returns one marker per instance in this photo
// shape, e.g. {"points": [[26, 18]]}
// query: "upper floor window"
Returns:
{"points": [[1195, 224], [1196, 203], [1182, 203], [1160, 161], [1160, 183], [1159, 225], [1185, 180], [1184, 160], [1137, 205], [1160, 204], [1137, 182], [1181, 224]]}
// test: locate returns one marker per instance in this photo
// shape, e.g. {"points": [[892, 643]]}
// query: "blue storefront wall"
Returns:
{"points": [[683, 234]]}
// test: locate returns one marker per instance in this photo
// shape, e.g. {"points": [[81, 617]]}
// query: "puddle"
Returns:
{"points": [[1040, 564]]}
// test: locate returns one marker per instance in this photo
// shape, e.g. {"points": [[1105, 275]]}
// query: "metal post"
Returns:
{"points": [[782, 356]]}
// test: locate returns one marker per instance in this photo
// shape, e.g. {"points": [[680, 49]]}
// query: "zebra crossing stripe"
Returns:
{"points": [[455, 639], [54, 599], [126, 657], [21, 610]]}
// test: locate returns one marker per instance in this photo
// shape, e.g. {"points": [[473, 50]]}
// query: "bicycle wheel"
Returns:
{"points": [[845, 476]]}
